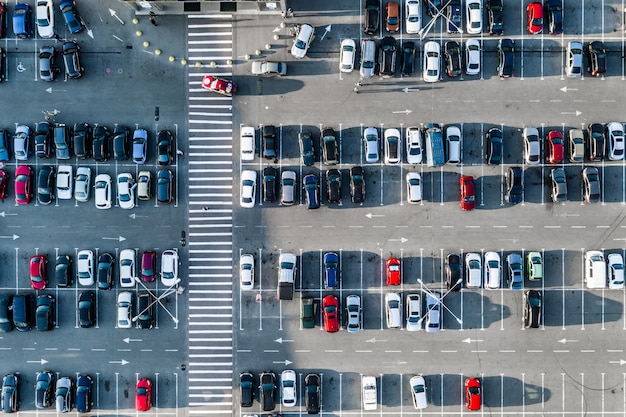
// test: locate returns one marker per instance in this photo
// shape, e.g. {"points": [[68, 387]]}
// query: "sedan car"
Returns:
{"points": [[330, 148], [452, 55], [473, 270], [45, 18], [126, 190], [595, 141], [63, 271], [347, 55], [574, 65], [330, 313], [472, 57], [333, 186], [591, 185], [4, 145], [514, 185], [140, 146], [82, 140], [532, 309], [302, 41], [432, 61], [353, 310], [330, 263], [454, 16], [71, 17], [248, 188], [82, 184], [408, 58], [555, 16], [496, 17], [532, 146], [454, 272], [246, 388], [270, 142], [71, 60], [44, 389], [468, 197], [515, 275], [472, 394], [414, 148], [84, 385], [64, 182], [44, 313], [393, 148], [127, 268], [413, 187], [418, 391], [596, 58], [148, 265], [387, 56], [413, 16], [23, 180], [393, 310], [164, 140], [493, 270], [559, 185], [87, 309], [246, 271], [165, 186], [474, 16], [393, 271], [307, 150], [413, 312], [269, 68], [145, 310], [143, 394], [556, 147], [270, 184], [371, 144], [267, 388], [357, 184], [169, 267], [63, 395], [38, 273], [102, 191], [534, 11], [312, 385], [288, 388], [10, 389], [615, 141], [219, 85], [104, 271], [432, 313], [21, 143], [247, 138], [124, 310], [494, 146], [615, 266], [506, 53], [311, 191], [45, 185], [47, 68], [85, 268]]}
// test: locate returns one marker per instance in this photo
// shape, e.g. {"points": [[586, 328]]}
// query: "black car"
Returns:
{"points": [[357, 184], [270, 183], [100, 143], [6, 322], [44, 389], [10, 386], [506, 52], [71, 60], [307, 150], [330, 150], [372, 17], [496, 17], [82, 140], [121, 141], [596, 58], [87, 309], [532, 308], [62, 141], [164, 140], [267, 387], [333, 186], [454, 16], [269, 142], [311, 192], [312, 393], [145, 310], [84, 384], [595, 142], [555, 16], [387, 56], [433, 7], [165, 186], [44, 313], [408, 58], [454, 274], [43, 140], [45, 185], [514, 185], [494, 146], [104, 271], [246, 386], [63, 271], [4, 145], [452, 54]]}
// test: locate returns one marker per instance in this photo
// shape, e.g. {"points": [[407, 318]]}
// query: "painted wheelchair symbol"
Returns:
{"points": [[20, 67]]}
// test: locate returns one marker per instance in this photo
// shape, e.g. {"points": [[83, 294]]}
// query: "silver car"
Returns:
{"points": [[82, 184], [21, 143], [574, 65], [559, 185], [269, 68], [288, 188], [353, 307], [47, 69], [64, 395]]}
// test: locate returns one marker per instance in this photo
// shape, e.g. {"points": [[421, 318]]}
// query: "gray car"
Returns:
{"points": [[21, 143], [353, 308], [140, 146], [269, 68], [47, 69], [591, 184], [514, 270], [64, 395], [559, 185], [71, 60], [82, 185]]}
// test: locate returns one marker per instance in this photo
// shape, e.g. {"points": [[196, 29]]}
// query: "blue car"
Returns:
{"points": [[73, 22], [311, 191], [331, 270], [22, 18]]}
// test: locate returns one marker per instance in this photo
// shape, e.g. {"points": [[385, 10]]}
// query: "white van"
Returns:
{"points": [[303, 41], [368, 58]]}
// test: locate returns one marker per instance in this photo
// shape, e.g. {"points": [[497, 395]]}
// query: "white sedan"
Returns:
{"points": [[418, 389], [472, 57], [493, 270], [413, 187], [473, 268], [127, 268], [347, 55], [474, 14], [102, 191], [413, 312], [432, 62], [616, 271], [615, 138], [532, 147], [85, 268], [126, 190], [45, 18], [370, 144], [288, 388], [124, 308], [413, 13], [169, 267], [246, 271], [248, 188], [247, 143], [65, 182], [413, 145]]}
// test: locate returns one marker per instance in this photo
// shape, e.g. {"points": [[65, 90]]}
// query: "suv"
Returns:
{"points": [[71, 60], [82, 140], [452, 55], [454, 274], [357, 184], [506, 50], [496, 20], [100, 143], [270, 181], [310, 184], [104, 272], [333, 186], [596, 57], [269, 142], [165, 186], [408, 58], [387, 57], [307, 150], [267, 387], [555, 16], [595, 142], [44, 389], [372, 11], [514, 185], [312, 393], [10, 384], [532, 308], [246, 381], [330, 150]]}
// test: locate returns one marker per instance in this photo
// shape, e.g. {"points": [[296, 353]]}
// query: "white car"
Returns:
{"points": [[370, 144], [432, 62], [413, 13], [595, 269], [413, 312], [127, 268], [126, 190], [169, 267], [124, 308], [418, 389], [353, 307], [414, 148], [616, 271], [85, 268], [248, 188], [246, 271], [474, 16], [574, 65], [413, 187], [102, 191], [302, 42], [247, 140], [82, 184], [347, 55], [288, 388], [532, 146], [615, 138], [45, 18], [493, 270], [288, 184], [472, 57], [65, 182], [393, 310], [433, 324], [393, 146], [474, 270], [453, 144]]}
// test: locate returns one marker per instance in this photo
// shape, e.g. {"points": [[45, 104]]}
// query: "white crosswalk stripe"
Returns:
{"points": [[210, 231]]}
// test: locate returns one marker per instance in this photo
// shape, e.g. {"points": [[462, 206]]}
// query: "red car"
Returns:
{"points": [[143, 394], [472, 394], [468, 198], [4, 180], [535, 18], [219, 85], [38, 278], [555, 147], [148, 266], [393, 271], [330, 308], [23, 178]]}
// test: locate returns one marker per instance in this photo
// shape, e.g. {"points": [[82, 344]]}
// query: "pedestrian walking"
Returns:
{"points": [[179, 152], [153, 18], [205, 208], [289, 12], [356, 90]]}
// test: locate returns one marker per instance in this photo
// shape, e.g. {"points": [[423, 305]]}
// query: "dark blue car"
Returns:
{"points": [[22, 18], [311, 191], [331, 270], [68, 9]]}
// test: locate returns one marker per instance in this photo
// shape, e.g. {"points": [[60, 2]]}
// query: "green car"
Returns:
{"points": [[534, 266], [308, 313]]}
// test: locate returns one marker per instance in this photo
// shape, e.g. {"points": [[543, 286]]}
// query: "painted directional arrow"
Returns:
{"points": [[564, 341], [90, 32], [10, 237], [128, 340], [281, 340], [50, 90], [407, 111], [577, 113], [119, 238], [401, 240], [370, 215], [619, 362], [468, 340], [40, 361], [565, 89], [326, 30], [114, 14], [374, 340], [133, 216], [3, 214], [122, 362], [285, 362], [410, 90]]}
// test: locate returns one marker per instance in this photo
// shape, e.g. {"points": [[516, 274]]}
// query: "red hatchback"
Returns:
{"points": [[535, 18], [330, 308], [38, 277], [468, 198], [4, 180], [393, 271], [148, 266], [219, 85], [555, 147], [23, 179], [472, 394], [143, 394]]}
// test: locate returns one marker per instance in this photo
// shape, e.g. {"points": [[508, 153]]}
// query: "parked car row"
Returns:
{"points": [[289, 392], [22, 18]]}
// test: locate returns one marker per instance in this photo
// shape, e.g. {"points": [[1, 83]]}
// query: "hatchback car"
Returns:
{"points": [[615, 266], [169, 267], [246, 389], [559, 185], [10, 390], [124, 310], [413, 187], [144, 185], [493, 270], [45, 185], [84, 384], [148, 265], [615, 141], [145, 310], [357, 184], [534, 266], [574, 65], [121, 140], [452, 55], [392, 17], [413, 16], [532, 309], [82, 184], [165, 186], [514, 185], [303, 40], [127, 268], [413, 312], [288, 388], [532, 146], [38, 272], [85, 268], [23, 179], [387, 56], [472, 57], [393, 271], [432, 61], [307, 150], [72, 60], [330, 313], [473, 270], [556, 147], [418, 391], [596, 58], [143, 394], [246, 272], [267, 387], [371, 144], [219, 85], [72, 19], [534, 11], [47, 67], [474, 16], [102, 191], [22, 21], [506, 53], [44, 313], [62, 141], [270, 142], [468, 196], [312, 385], [45, 18], [591, 185], [63, 271], [494, 146], [347, 55], [104, 271], [496, 17], [63, 395], [414, 148], [126, 190], [82, 140], [515, 276], [311, 191], [353, 310], [100, 143], [44, 389], [87, 309], [393, 310], [472, 394]]}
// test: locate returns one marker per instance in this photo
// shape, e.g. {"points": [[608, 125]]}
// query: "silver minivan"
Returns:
{"points": [[288, 188], [368, 58]]}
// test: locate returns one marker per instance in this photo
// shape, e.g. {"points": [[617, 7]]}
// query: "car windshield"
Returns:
{"points": [[300, 44], [474, 264], [394, 304], [418, 388]]}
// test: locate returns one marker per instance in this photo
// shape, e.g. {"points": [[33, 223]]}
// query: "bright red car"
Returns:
{"points": [[393, 271], [38, 276], [219, 85], [472, 394], [330, 308], [555, 147], [143, 394], [4, 180], [23, 179], [468, 198], [535, 18]]}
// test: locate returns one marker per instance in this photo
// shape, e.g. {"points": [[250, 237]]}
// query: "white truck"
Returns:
{"points": [[370, 396]]}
